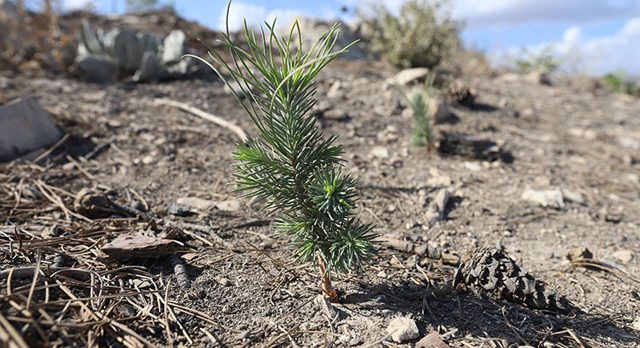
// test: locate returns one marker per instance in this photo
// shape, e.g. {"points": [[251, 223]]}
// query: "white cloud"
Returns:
{"points": [[255, 15], [70, 5], [497, 12], [500, 12], [596, 55]]}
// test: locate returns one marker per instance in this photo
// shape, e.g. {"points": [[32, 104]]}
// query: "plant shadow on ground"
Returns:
{"points": [[484, 107], [481, 318]]}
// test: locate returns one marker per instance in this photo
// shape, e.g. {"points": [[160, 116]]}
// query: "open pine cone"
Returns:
{"points": [[491, 271]]}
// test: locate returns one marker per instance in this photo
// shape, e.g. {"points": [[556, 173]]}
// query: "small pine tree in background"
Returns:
{"points": [[418, 100], [291, 166]]}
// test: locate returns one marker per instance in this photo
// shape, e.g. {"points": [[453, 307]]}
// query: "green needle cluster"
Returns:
{"points": [[291, 166]]}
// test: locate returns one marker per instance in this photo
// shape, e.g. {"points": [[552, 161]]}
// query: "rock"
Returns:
{"points": [[538, 77], [336, 90], [336, 114], [623, 256], [437, 208], [380, 152], [629, 142], [636, 324], [438, 110], [173, 47], [579, 253], [572, 196], [432, 340], [133, 246], [472, 166], [545, 198], [127, 50], [402, 329], [195, 203], [230, 205], [151, 69], [438, 178], [408, 76], [98, 69], [461, 94], [397, 243], [25, 126]]}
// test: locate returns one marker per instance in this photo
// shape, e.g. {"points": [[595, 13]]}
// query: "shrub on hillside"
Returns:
{"points": [[422, 34]]}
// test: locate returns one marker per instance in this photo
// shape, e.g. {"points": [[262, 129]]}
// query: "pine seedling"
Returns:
{"points": [[418, 100], [291, 166]]}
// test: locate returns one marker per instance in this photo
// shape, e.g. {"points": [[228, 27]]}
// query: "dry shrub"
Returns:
{"points": [[34, 39], [423, 33]]}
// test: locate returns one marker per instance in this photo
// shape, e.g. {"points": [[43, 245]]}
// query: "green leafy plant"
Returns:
{"points": [[418, 100], [543, 61], [291, 166], [618, 83], [422, 35]]}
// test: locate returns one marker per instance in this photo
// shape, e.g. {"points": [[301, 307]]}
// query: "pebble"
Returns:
{"points": [[544, 198], [380, 152], [229, 205], [472, 166], [623, 256], [196, 203], [407, 76], [573, 196], [402, 329], [432, 340]]}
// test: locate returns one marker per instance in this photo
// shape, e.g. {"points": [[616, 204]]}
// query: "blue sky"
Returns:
{"points": [[593, 36]]}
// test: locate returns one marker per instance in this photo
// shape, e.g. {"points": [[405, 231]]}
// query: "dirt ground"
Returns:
{"points": [[241, 287]]}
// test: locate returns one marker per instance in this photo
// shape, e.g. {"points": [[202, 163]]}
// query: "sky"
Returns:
{"points": [[588, 36]]}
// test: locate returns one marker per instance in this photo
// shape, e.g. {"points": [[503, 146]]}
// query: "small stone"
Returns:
{"points": [[229, 205], [151, 69], [335, 91], [380, 152], [222, 281], [636, 324], [538, 77], [544, 198], [437, 208], [98, 69], [432, 340], [402, 329], [408, 76], [438, 110], [196, 203], [623, 256], [147, 160], [179, 210], [579, 253], [629, 143], [25, 126], [472, 166], [335, 115], [438, 178], [572, 196], [173, 46]]}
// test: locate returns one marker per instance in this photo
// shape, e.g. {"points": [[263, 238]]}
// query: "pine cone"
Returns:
{"points": [[491, 271]]}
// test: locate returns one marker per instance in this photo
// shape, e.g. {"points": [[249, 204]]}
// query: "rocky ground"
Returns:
{"points": [[567, 179]]}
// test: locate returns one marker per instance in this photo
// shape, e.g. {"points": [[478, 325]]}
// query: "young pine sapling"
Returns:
{"points": [[291, 166], [418, 100]]}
